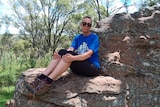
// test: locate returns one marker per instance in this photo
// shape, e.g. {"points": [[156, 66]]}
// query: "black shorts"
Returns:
{"points": [[85, 68]]}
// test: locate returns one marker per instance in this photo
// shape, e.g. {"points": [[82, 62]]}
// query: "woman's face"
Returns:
{"points": [[86, 25]]}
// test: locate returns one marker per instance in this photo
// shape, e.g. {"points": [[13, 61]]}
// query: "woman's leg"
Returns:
{"points": [[51, 66], [54, 63], [44, 75], [84, 68], [61, 66], [44, 86], [59, 69]]}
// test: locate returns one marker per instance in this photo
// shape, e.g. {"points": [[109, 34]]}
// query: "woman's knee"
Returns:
{"points": [[62, 52]]}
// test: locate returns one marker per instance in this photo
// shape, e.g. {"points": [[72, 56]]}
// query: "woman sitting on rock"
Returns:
{"points": [[82, 58]]}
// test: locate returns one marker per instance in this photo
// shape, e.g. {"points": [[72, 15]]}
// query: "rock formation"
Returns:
{"points": [[129, 53]]}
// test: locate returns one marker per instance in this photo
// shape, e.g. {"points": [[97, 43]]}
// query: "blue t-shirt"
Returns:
{"points": [[82, 44]]}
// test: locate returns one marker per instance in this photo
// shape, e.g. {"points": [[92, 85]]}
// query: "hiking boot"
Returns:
{"points": [[31, 86], [42, 87]]}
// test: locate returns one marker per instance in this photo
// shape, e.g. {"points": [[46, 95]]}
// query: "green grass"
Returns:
{"points": [[8, 81], [7, 85], [6, 94], [11, 66]]}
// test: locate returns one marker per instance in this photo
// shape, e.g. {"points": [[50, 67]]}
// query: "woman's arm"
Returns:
{"points": [[69, 57], [83, 56]]}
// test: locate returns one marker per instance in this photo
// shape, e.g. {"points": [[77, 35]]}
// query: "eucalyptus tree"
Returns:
{"points": [[42, 22], [6, 38], [105, 8], [84, 8], [95, 8], [113, 9], [1, 15]]}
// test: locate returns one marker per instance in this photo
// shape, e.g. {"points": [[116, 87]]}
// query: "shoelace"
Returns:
{"points": [[41, 84], [35, 82]]}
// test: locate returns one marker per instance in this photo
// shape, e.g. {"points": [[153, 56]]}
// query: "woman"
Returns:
{"points": [[82, 58]]}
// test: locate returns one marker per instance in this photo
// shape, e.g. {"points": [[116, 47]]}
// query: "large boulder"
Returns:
{"points": [[71, 91]]}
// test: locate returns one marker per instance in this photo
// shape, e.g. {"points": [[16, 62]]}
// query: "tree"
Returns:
{"points": [[6, 41], [42, 22], [97, 8], [104, 8], [0, 17], [126, 5], [111, 8], [150, 2]]}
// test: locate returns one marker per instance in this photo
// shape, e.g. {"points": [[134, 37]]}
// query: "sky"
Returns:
{"points": [[5, 10], [133, 5]]}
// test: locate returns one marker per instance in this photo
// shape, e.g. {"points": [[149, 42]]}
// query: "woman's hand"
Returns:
{"points": [[56, 55], [68, 58]]}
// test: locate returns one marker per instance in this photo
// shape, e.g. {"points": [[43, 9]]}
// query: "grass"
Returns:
{"points": [[7, 85], [8, 81], [10, 69], [6, 94]]}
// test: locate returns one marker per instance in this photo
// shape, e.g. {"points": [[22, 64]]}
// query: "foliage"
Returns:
{"points": [[6, 94], [42, 22], [150, 2], [18, 58]]}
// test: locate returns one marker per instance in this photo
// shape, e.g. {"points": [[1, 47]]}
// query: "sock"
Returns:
{"points": [[49, 80], [42, 76]]}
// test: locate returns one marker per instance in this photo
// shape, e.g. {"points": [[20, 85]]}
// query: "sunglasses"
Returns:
{"points": [[86, 24]]}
